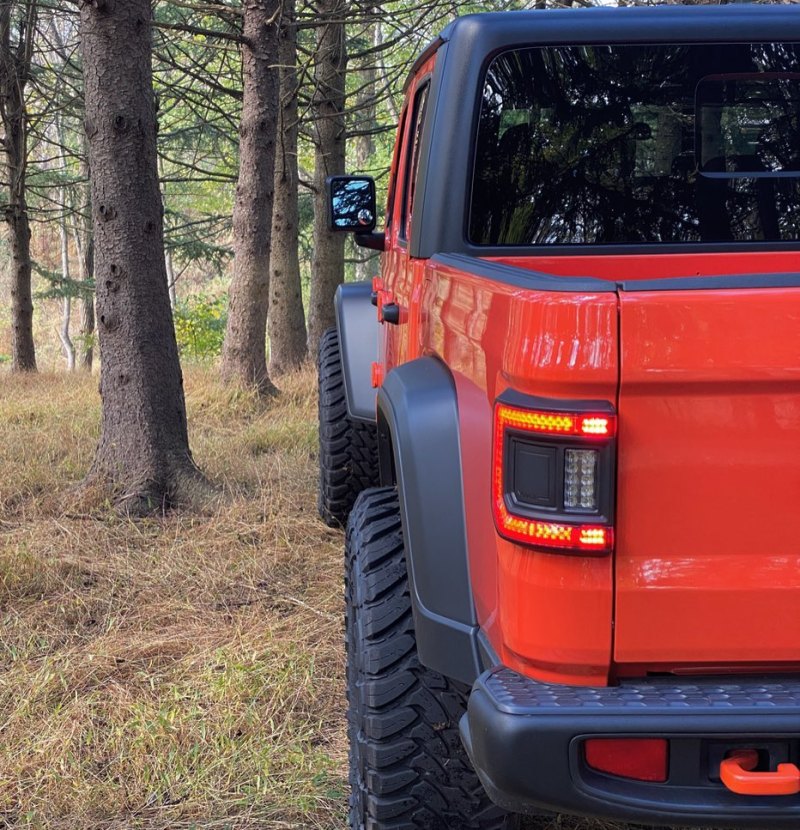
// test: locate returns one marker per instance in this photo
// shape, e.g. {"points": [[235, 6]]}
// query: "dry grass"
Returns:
{"points": [[181, 672], [166, 672]]}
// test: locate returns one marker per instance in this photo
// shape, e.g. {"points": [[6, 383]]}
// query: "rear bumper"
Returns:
{"points": [[525, 740]]}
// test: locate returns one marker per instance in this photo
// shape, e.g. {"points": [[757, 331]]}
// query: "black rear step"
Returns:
{"points": [[526, 738]]}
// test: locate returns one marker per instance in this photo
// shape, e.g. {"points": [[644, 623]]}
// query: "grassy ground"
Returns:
{"points": [[180, 672]]}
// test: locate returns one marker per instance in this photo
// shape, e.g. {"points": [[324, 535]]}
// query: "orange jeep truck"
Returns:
{"points": [[563, 426]]}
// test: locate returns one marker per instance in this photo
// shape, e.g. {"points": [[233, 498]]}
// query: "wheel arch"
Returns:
{"points": [[358, 327], [420, 450]]}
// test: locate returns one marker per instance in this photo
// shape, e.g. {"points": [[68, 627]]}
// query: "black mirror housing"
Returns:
{"points": [[351, 204]]}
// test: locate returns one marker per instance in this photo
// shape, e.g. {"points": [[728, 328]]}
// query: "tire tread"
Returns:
{"points": [[408, 768], [348, 450]]}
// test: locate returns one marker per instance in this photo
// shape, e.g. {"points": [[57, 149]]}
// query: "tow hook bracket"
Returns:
{"points": [[736, 772]]}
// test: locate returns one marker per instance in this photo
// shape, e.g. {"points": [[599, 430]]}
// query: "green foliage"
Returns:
{"points": [[200, 326], [57, 286]]}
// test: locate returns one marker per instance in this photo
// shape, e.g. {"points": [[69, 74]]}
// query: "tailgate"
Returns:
{"points": [[708, 511]]}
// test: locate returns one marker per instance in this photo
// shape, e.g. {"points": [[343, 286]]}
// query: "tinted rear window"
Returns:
{"points": [[639, 144]]}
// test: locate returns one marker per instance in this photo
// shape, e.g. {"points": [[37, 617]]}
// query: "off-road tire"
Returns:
{"points": [[348, 450], [408, 767]]}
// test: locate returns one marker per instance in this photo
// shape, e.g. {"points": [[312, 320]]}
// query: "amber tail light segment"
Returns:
{"points": [[553, 473]]}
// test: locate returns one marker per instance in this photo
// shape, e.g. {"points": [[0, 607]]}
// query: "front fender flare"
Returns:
{"points": [[357, 322]]}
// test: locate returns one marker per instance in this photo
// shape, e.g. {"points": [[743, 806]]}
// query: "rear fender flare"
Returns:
{"points": [[419, 443]]}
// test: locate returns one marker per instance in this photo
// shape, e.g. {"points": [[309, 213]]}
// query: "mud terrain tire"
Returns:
{"points": [[408, 767], [348, 450]]}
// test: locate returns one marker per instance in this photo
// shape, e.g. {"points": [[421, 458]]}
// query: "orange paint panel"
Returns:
{"points": [[547, 615], [551, 344], [708, 551], [555, 612]]}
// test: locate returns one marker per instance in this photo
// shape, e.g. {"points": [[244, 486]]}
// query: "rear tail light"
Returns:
{"points": [[642, 759], [557, 423], [553, 477]]}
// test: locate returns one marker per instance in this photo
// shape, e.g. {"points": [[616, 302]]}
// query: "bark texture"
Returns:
{"points": [[244, 354], [287, 321], [83, 235], [144, 448], [86, 274], [15, 65], [366, 102], [87, 333], [327, 265]]}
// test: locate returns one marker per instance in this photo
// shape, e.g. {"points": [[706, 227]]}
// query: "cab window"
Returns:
{"points": [[629, 144], [412, 159]]}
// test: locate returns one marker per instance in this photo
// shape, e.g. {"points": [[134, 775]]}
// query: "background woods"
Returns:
{"points": [[224, 76], [257, 102]]}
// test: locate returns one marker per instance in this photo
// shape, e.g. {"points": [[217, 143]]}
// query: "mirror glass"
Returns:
{"points": [[352, 203]]}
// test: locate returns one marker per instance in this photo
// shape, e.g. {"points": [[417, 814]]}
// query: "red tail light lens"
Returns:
{"points": [[642, 759], [566, 482], [551, 535], [556, 423]]}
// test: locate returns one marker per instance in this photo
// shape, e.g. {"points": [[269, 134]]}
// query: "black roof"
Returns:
{"points": [[467, 46], [715, 23], [747, 22]]}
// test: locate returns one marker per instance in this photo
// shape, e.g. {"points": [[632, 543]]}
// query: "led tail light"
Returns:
{"points": [[557, 423], [553, 476]]}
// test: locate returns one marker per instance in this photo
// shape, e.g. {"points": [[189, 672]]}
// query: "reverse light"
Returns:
{"points": [[641, 759], [580, 479], [552, 476]]}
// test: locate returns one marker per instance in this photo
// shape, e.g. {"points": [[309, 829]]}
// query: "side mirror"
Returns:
{"points": [[351, 204]]}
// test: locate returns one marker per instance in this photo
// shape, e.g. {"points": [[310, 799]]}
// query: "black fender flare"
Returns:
{"points": [[419, 443], [358, 326]]}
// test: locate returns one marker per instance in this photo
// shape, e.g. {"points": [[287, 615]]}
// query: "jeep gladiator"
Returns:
{"points": [[563, 426]]}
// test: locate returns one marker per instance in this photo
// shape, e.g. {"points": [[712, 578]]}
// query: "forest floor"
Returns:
{"points": [[178, 672]]}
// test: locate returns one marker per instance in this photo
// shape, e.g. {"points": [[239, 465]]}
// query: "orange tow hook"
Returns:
{"points": [[736, 774]]}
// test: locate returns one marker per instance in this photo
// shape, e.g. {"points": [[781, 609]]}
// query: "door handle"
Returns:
{"points": [[390, 313], [736, 772]]}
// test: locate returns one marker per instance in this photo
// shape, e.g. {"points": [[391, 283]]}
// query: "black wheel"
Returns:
{"points": [[408, 767], [348, 450]]}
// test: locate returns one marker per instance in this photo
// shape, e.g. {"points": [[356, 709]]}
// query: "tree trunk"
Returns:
{"points": [[143, 450], [15, 64], [66, 306], [87, 304], [287, 322], [23, 351], [84, 244], [66, 342], [173, 290], [365, 141], [244, 354], [327, 265], [87, 333]]}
